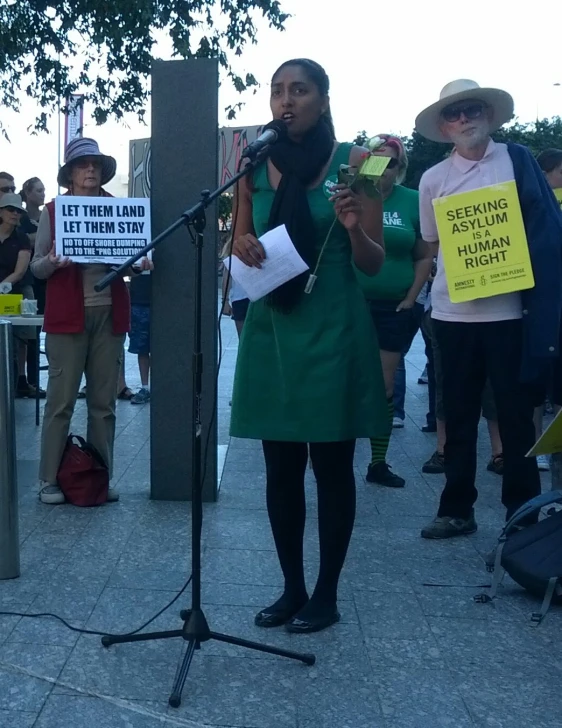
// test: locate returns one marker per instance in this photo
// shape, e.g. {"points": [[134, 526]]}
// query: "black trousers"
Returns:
{"points": [[470, 352], [426, 333]]}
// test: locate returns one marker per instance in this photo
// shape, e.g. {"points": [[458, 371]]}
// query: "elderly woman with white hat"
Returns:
{"points": [[508, 337], [85, 329]]}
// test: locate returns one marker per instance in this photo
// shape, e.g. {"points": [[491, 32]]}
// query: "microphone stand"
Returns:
{"points": [[195, 629]]}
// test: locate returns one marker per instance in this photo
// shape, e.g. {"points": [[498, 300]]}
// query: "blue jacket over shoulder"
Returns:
{"points": [[542, 305]]}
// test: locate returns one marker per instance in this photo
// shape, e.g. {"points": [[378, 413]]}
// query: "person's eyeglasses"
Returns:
{"points": [[9, 208], [470, 111], [10, 188]]}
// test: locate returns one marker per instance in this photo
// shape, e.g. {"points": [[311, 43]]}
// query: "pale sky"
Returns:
{"points": [[385, 62]]}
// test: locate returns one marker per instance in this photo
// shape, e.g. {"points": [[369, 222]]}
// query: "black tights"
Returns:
{"points": [[333, 468]]}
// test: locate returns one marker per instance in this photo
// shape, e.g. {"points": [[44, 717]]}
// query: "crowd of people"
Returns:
{"points": [[318, 370], [85, 330]]}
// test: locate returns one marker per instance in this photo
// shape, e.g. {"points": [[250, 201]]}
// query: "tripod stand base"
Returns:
{"points": [[194, 632]]}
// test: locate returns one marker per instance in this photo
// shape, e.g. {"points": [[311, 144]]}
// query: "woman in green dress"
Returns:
{"points": [[308, 377]]}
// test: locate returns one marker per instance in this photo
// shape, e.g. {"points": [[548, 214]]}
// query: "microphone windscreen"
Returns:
{"points": [[279, 126]]}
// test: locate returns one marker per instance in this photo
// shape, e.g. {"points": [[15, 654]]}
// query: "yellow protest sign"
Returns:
{"points": [[558, 195], [374, 166], [483, 242], [551, 439]]}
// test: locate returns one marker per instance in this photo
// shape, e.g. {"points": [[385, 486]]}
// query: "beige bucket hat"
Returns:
{"points": [[501, 103]]}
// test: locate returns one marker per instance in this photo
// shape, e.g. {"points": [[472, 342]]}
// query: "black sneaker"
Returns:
{"points": [[430, 427], [29, 391], [380, 474], [435, 465], [449, 527]]}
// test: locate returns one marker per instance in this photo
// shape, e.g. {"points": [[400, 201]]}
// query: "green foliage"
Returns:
{"points": [[52, 48], [225, 210], [538, 136], [423, 154], [361, 138]]}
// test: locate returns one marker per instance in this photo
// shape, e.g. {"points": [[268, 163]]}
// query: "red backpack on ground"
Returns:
{"points": [[83, 477]]}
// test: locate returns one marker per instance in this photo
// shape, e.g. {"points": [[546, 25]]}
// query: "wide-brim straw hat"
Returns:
{"points": [[11, 200], [85, 147], [500, 102]]}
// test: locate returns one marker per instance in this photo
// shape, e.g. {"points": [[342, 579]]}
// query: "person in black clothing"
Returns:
{"points": [[139, 338], [15, 252], [27, 348], [15, 248]]}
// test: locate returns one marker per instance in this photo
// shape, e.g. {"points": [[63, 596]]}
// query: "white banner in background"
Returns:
{"points": [[74, 118]]}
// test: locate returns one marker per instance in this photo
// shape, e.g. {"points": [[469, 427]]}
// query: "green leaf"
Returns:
{"points": [[105, 48]]}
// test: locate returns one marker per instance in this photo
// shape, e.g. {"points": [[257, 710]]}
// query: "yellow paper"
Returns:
{"points": [[374, 166], [551, 439], [558, 195], [483, 243], [10, 304]]}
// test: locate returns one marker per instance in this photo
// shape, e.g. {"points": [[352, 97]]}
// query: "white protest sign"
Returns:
{"points": [[101, 229]]}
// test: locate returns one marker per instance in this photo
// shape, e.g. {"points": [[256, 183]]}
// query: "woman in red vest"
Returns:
{"points": [[85, 329]]}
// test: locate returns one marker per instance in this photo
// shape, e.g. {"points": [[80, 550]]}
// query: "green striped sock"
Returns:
{"points": [[379, 445]]}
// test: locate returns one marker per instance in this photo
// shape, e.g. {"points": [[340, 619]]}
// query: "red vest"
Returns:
{"points": [[64, 304]]}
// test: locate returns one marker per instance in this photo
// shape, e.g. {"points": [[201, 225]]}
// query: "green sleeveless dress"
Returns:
{"points": [[313, 375]]}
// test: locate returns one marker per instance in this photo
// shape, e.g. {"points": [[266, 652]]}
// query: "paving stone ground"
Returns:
{"points": [[412, 651]]}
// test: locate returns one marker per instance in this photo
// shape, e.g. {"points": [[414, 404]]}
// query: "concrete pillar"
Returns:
{"points": [[184, 149]]}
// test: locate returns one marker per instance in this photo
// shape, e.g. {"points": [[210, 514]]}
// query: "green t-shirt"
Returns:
{"points": [[401, 230]]}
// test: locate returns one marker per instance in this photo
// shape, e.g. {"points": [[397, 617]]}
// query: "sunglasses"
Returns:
{"points": [[86, 162], [470, 111], [9, 208], [10, 188]]}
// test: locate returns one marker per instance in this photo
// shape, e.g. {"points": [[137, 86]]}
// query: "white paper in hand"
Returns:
{"points": [[282, 263]]}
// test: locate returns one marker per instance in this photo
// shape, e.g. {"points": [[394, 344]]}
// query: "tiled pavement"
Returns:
{"points": [[406, 655]]}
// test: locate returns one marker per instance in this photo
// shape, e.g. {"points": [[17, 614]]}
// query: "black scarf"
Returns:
{"points": [[299, 165]]}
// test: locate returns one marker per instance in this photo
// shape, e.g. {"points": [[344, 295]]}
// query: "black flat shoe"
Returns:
{"points": [[272, 619], [276, 616], [302, 626]]}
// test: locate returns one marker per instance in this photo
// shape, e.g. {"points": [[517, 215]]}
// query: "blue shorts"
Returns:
{"points": [[139, 338]]}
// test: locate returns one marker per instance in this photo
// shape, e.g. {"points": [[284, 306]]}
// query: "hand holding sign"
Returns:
{"points": [[58, 260], [365, 178], [347, 206], [145, 264]]}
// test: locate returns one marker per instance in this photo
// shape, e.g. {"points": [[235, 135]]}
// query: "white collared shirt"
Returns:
{"points": [[450, 177]]}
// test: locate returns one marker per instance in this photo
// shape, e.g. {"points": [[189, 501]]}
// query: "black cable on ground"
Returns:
{"points": [[205, 456]]}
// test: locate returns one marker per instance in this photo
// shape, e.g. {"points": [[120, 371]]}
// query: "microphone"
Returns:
{"points": [[272, 132]]}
